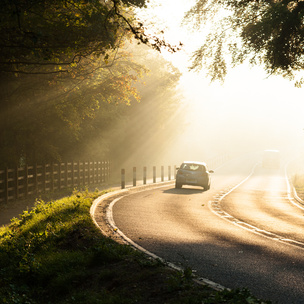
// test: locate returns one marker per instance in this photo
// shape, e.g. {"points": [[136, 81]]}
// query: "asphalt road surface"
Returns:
{"points": [[247, 236]]}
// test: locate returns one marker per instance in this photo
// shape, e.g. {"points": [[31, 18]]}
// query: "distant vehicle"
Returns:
{"points": [[193, 173], [271, 159]]}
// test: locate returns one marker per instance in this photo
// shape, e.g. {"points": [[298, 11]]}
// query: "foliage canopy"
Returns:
{"points": [[39, 36], [266, 32], [62, 64]]}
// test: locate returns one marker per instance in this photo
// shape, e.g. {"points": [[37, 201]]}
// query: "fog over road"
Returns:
{"points": [[182, 226]]}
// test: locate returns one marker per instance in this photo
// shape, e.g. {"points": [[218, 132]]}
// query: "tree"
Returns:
{"points": [[60, 62], [42, 118], [142, 132], [266, 32], [40, 36], [150, 127]]}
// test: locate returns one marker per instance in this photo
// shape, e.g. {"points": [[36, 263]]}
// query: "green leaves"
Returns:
{"points": [[61, 64], [39, 34], [267, 32]]}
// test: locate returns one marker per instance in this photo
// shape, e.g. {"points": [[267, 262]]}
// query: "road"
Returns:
{"points": [[246, 236]]}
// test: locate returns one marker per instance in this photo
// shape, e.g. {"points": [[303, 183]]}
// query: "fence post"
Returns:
{"points": [[145, 176], [59, 175], [78, 173], [66, 175], [83, 173], [52, 176], [93, 172], [108, 170], [123, 179], [43, 177], [154, 174], [17, 183], [26, 181], [98, 172], [73, 182], [134, 176], [35, 178], [6, 185], [169, 172], [102, 171], [162, 173]]}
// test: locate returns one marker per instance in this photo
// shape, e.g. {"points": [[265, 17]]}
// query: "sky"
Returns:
{"points": [[250, 111]]}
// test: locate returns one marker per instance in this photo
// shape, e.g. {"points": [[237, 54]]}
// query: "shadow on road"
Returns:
{"points": [[188, 190]]}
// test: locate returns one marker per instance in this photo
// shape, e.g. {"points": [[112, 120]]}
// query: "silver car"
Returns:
{"points": [[193, 173]]}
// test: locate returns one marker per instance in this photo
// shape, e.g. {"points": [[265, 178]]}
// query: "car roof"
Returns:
{"points": [[194, 162], [271, 151]]}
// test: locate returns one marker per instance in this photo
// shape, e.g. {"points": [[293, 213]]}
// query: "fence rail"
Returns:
{"points": [[22, 182]]}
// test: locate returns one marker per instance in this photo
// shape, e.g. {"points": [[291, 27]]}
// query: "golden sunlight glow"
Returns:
{"points": [[249, 112]]}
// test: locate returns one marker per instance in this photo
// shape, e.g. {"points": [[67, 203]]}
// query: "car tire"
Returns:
{"points": [[206, 187], [178, 185]]}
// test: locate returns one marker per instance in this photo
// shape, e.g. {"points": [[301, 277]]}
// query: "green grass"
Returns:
{"points": [[55, 254]]}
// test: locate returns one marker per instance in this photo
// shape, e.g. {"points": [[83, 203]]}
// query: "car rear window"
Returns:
{"points": [[193, 167]]}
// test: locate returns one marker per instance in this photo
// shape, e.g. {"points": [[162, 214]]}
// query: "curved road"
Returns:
{"points": [[252, 237]]}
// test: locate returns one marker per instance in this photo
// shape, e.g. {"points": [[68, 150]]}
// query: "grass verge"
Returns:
{"points": [[298, 183], [55, 254]]}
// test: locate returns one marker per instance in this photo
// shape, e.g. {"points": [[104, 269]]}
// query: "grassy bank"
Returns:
{"points": [[55, 254], [298, 183]]}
